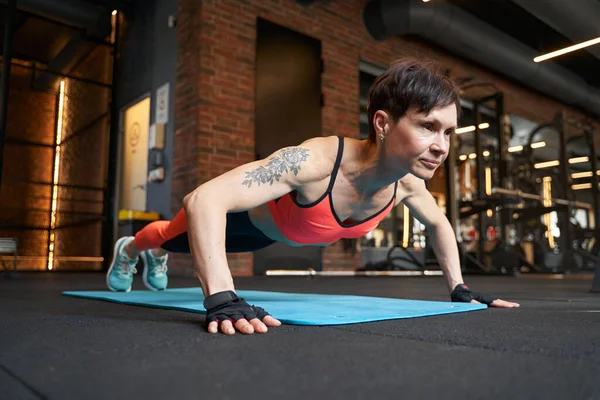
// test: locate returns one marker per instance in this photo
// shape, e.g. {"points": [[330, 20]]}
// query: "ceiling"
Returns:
{"points": [[53, 38], [40, 40], [530, 30]]}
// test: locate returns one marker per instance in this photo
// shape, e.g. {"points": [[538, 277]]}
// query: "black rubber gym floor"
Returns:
{"points": [[56, 347]]}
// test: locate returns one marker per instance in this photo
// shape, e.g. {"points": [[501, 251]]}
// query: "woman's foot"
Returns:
{"points": [[120, 274], [155, 269]]}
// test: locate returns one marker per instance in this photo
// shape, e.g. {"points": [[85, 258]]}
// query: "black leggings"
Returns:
{"points": [[241, 236]]}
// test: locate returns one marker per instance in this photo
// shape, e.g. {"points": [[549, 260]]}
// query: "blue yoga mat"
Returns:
{"points": [[293, 308]]}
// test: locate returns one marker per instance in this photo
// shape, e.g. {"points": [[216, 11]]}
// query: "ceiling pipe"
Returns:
{"points": [[468, 36]]}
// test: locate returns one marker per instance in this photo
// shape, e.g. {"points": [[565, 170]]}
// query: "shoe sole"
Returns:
{"points": [[112, 264], [145, 274]]}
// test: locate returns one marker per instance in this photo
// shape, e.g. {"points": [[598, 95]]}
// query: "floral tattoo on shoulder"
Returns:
{"points": [[288, 161]]}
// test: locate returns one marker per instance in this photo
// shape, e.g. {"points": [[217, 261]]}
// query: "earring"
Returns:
{"points": [[381, 136]]}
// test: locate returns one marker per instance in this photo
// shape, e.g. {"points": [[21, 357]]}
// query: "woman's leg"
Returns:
{"points": [[154, 235]]}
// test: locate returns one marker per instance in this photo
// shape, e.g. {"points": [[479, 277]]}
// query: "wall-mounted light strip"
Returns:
{"points": [[538, 145], [59, 129], [566, 50], [488, 181], [514, 149], [547, 164], [581, 186], [587, 174], [579, 175], [547, 196], [471, 128], [578, 160], [554, 163], [405, 226]]}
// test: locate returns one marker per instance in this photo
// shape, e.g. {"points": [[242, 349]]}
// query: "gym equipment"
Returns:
{"points": [[513, 207], [570, 247], [501, 258], [292, 308], [398, 258], [8, 246]]}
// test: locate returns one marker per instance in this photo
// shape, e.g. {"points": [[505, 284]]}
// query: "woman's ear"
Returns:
{"points": [[381, 122]]}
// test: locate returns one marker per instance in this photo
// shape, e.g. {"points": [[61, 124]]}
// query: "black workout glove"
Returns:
{"points": [[227, 305], [462, 294]]}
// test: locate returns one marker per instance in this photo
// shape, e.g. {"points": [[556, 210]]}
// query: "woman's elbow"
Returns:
{"points": [[191, 200]]}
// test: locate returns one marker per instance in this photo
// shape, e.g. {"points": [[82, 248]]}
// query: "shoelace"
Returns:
{"points": [[159, 266], [126, 270]]}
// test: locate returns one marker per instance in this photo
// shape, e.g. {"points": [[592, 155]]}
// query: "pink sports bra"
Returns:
{"points": [[317, 223]]}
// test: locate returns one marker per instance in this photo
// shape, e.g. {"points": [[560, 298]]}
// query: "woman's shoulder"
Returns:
{"points": [[319, 154], [324, 149]]}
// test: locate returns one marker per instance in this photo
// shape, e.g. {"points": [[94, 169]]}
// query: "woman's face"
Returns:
{"points": [[419, 142]]}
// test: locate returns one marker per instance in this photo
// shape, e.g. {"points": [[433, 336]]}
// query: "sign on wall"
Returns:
{"points": [[162, 104], [135, 156]]}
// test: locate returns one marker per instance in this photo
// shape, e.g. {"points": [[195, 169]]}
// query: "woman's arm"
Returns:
{"points": [[241, 189], [423, 206]]}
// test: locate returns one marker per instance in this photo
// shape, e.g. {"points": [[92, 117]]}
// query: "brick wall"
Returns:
{"points": [[24, 200], [215, 86], [31, 117], [84, 158]]}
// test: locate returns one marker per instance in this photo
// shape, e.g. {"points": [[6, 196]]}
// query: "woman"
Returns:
{"points": [[316, 193]]}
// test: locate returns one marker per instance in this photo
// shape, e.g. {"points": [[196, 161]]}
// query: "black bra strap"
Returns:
{"points": [[338, 161]]}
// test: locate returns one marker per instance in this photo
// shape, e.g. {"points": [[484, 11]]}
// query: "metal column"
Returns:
{"points": [[596, 197], [113, 150], [11, 15], [480, 180], [567, 235], [451, 178], [504, 159]]}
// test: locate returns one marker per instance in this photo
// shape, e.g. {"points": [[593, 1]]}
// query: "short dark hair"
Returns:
{"points": [[409, 83]]}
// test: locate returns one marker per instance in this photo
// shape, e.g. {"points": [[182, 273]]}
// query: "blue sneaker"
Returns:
{"points": [[155, 270], [120, 274]]}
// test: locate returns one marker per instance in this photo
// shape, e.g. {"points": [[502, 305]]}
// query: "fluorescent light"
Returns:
{"points": [[465, 129], [488, 182], [472, 156], [538, 145], [462, 157], [405, 225], [547, 196], [582, 186], [425, 1], [582, 175], [59, 130], [486, 153], [567, 50], [578, 160], [515, 149], [471, 128], [547, 164]]}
